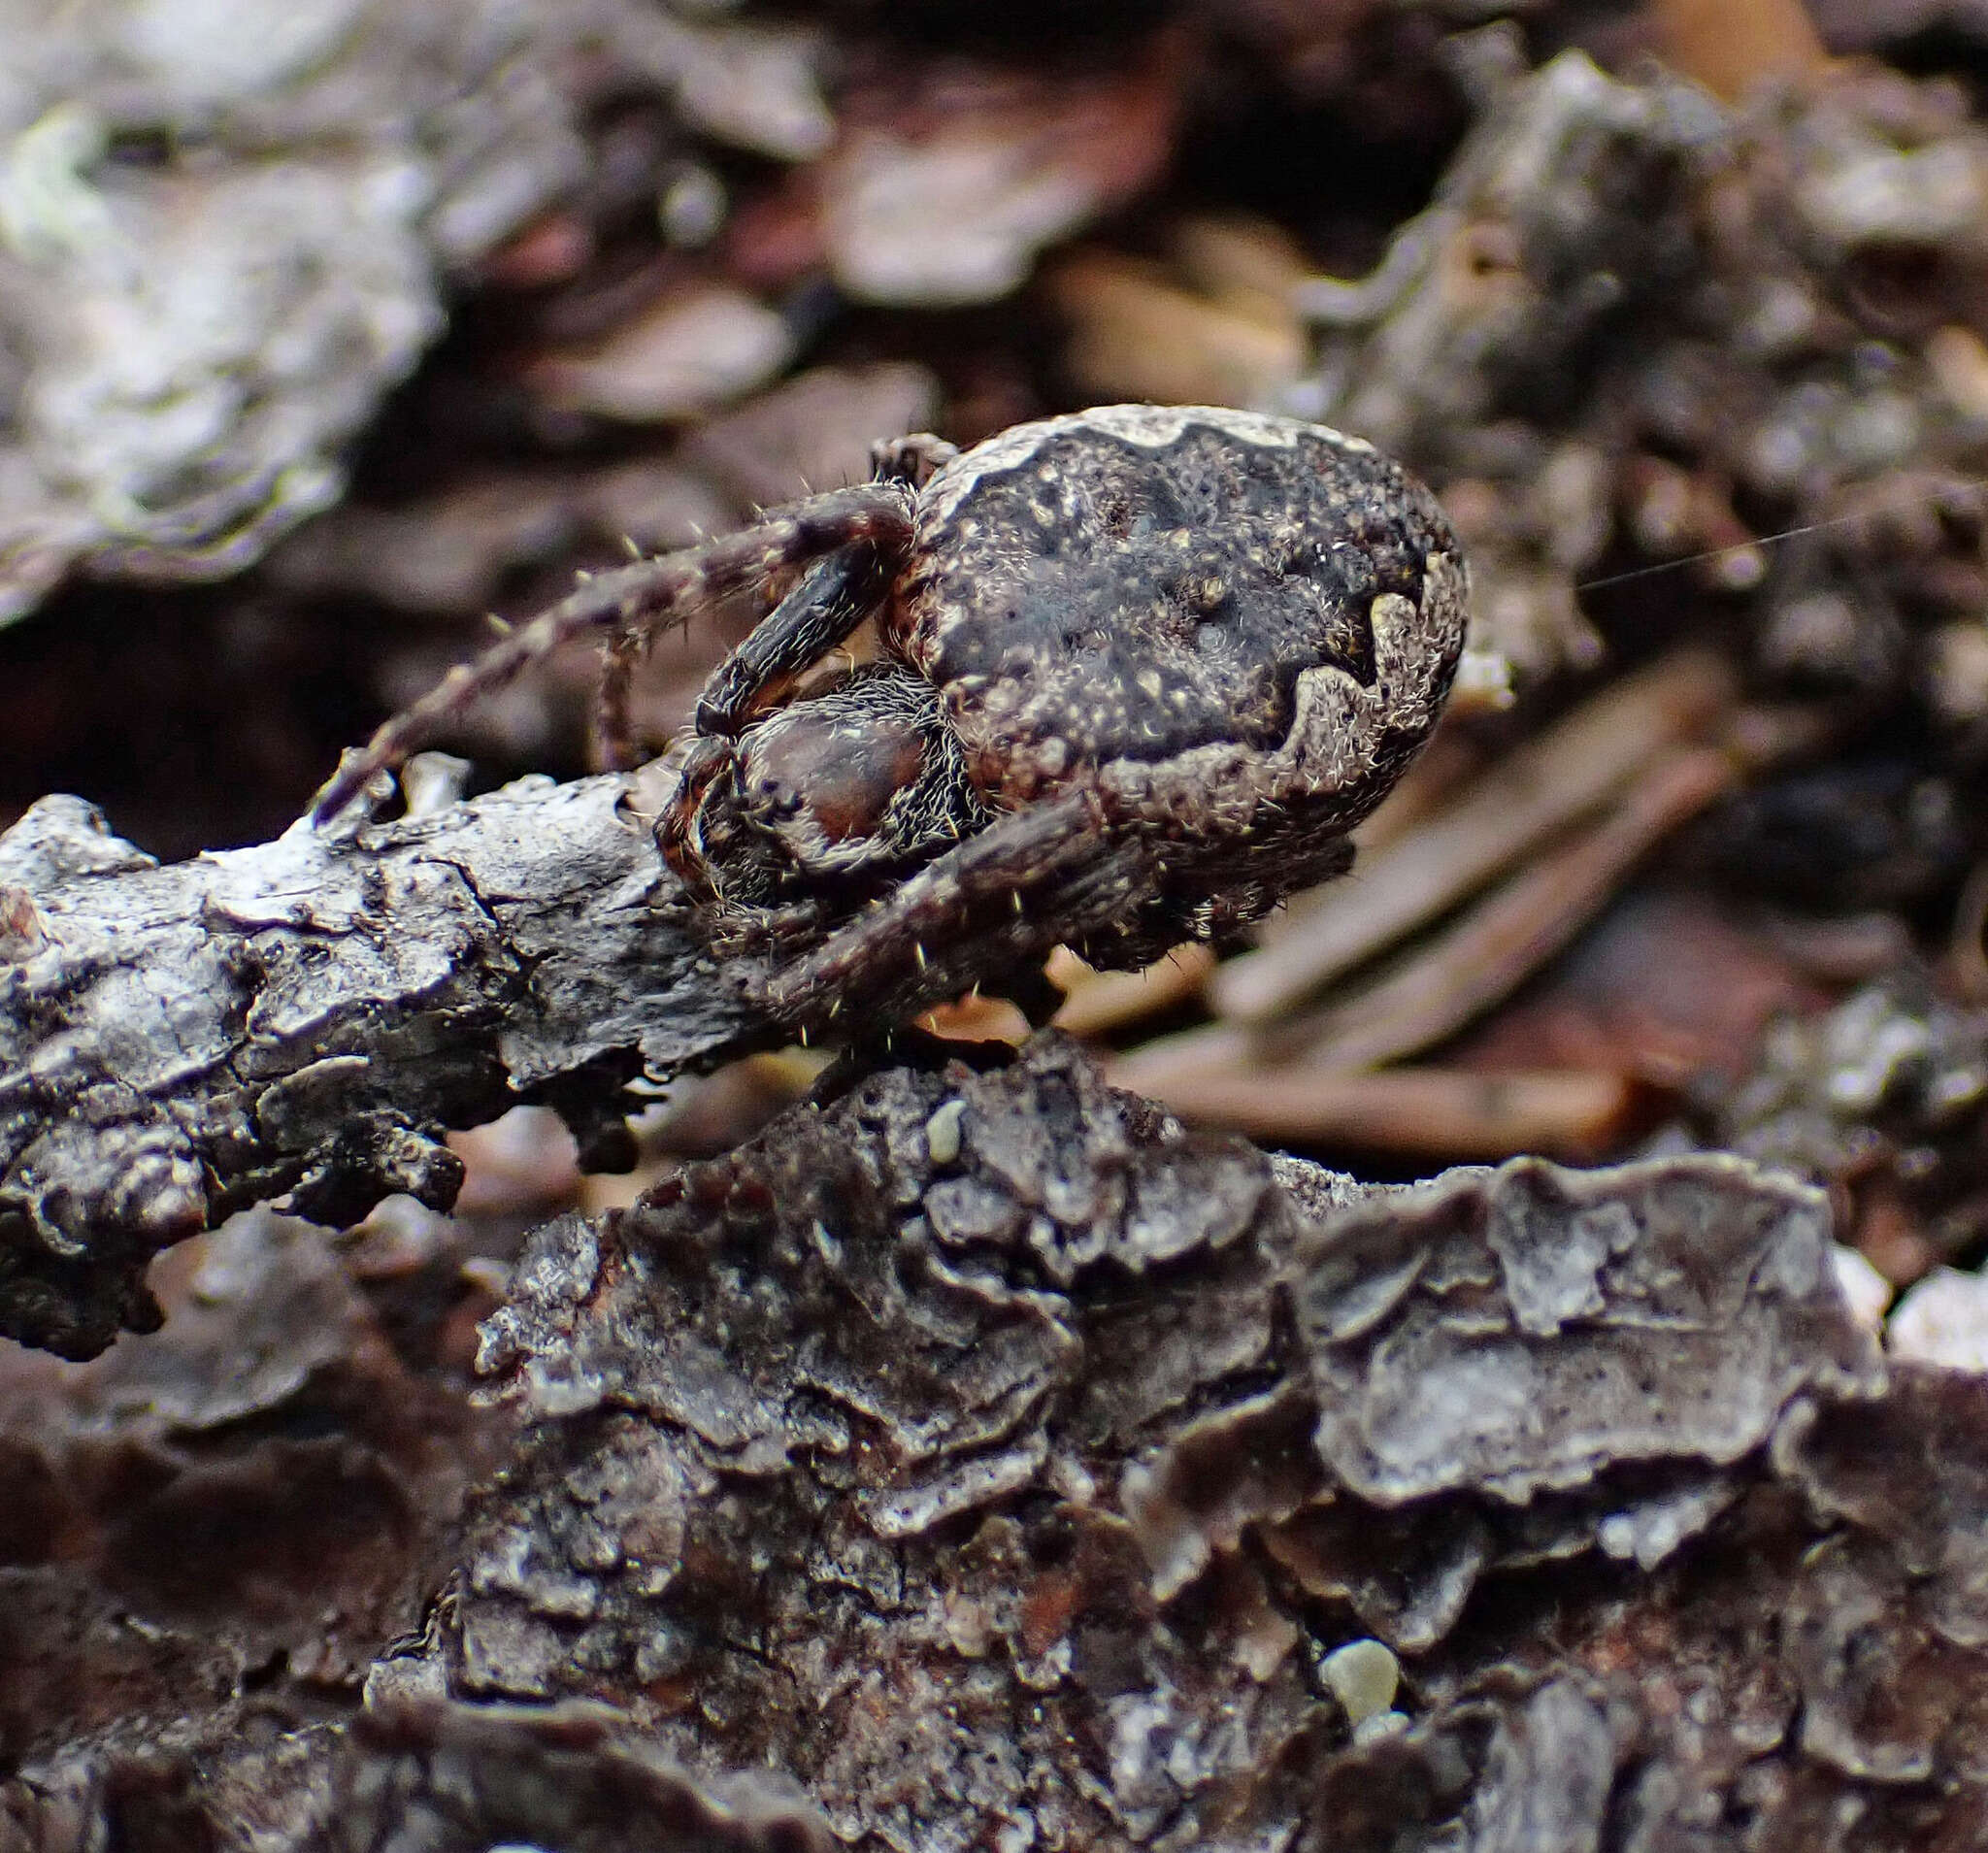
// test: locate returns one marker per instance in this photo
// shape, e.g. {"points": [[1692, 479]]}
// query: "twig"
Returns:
{"points": [[1478, 961], [1495, 947], [1450, 1113], [305, 1018]]}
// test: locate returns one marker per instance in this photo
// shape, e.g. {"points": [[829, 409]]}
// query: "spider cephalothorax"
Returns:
{"points": [[1141, 670], [836, 793]]}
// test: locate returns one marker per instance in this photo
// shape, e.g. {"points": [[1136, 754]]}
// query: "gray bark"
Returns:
{"points": [[305, 1018]]}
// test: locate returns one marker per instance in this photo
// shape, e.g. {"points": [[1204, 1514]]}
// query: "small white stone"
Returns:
{"points": [[1382, 1724], [1866, 1291], [941, 1132], [1364, 1676], [1943, 1320]]}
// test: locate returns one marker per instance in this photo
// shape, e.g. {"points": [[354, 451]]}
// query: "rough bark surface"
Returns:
{"points": [[979, 1458], [303, 1019], [976, 1458]]}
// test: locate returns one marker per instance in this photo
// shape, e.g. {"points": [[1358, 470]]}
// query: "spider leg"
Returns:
{"points": [[640, 598], [679, 827], [1030, 881], [913, 460], [614, 742], [835, 595]]}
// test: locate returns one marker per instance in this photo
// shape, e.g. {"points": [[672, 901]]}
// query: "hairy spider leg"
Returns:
{"points": [[1032, 879], [643, 597], [835, 595], [680, 828], [614, 742], [834, 598]]}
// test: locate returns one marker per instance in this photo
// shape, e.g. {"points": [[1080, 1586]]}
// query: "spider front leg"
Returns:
{"points": [[639, 600], [831, 601], [834, 597], [988, 907], [622, 656]]}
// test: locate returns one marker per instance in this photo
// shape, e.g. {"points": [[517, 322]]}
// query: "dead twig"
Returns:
{"points": [[1448, 1113], [305, 1018], [1508, 936], [1445, 984]]}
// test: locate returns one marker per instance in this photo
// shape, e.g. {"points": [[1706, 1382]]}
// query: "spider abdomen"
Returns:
{"points": [[1132, 584]]}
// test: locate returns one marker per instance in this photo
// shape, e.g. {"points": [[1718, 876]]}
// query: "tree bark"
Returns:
{"points": [[305, 1018]]}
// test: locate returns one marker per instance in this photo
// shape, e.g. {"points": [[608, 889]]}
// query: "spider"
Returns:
{"points": [[1140, 670]]}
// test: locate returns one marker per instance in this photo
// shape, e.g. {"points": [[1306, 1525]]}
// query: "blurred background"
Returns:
{"points": [[327, 330]]}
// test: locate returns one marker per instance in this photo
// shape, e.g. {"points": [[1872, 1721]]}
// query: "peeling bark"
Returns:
{"points": [[981, 1458]]}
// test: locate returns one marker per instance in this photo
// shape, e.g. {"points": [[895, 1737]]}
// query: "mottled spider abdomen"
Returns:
{"points": [[1135, 582]]}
